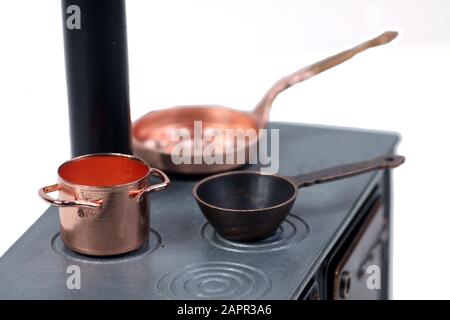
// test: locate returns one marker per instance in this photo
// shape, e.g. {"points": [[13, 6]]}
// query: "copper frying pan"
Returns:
{"points": [[156, 135]]}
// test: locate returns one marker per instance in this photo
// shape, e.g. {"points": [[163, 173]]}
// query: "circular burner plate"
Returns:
{"points": [[292, 231], [154, 243], [214, 280]]}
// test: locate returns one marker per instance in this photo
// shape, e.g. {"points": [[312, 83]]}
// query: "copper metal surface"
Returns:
{"points": [[100, 218], [154, 133], [251, 205]]}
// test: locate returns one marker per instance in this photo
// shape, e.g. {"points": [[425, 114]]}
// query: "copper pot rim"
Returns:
{"points": [[117, 187]]}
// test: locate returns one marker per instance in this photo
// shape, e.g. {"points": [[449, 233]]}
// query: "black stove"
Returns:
{"points": [[334, 241]]}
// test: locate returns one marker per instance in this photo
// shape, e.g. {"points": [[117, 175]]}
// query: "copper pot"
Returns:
{"points": [[103, 205]]}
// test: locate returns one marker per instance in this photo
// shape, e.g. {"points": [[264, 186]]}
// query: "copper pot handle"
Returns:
{"points": [[43, 193], [157, 187]]}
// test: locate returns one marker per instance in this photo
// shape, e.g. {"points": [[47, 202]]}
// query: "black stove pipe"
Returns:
{"points": [[95, 40]]}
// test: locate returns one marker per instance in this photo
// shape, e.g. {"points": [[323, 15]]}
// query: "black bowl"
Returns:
{"points": [[245, 205]]}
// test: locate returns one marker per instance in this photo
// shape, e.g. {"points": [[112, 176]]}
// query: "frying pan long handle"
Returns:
{"points": [[263, 107], [347, 170]]}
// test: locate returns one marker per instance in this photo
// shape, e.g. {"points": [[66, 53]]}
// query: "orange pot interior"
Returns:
{"points": [[103, 171]]}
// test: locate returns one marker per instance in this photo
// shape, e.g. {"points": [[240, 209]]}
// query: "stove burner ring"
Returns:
{"points": [[154, 244], [292, 231], [214, 280]]}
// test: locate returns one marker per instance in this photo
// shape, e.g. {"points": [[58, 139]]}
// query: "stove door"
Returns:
{"points": [[361, 272]]}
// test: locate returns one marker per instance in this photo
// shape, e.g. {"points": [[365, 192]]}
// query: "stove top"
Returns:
{"points": [[186, 259]]}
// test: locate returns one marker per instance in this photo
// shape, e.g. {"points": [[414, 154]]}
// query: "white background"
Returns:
{"points": [[229, 52]]}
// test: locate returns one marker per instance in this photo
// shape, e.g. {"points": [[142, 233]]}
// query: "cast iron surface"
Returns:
{"points": [[186, 259]]}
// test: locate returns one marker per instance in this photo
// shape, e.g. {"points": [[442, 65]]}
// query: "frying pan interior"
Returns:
{"points": [[157, 130], [246, 191]]}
